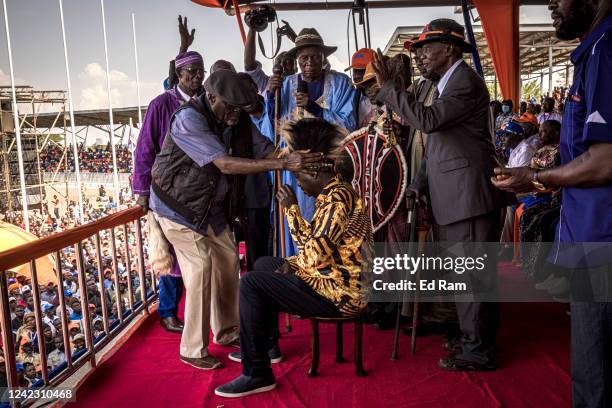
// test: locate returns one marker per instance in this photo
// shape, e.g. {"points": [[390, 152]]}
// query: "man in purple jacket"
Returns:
{"points": [[190, 71]]}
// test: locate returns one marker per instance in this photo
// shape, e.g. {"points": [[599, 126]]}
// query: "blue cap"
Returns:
{"points": [[514, 128], [67, 292]]}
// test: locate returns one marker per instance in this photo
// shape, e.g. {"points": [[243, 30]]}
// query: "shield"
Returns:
{"points": [[379, 172]]}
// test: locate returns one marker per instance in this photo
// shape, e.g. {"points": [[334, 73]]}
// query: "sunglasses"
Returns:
{"points": [[191, 70]]}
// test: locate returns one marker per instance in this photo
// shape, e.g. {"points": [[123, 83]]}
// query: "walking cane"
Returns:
{"points": [[279, 228], [411, 227]]}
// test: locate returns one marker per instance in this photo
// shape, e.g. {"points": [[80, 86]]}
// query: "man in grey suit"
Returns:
{"points": [[456, 170]]}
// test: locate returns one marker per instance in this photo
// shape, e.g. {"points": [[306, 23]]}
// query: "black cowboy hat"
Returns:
{"points": [[309, 37], [442, 29]]}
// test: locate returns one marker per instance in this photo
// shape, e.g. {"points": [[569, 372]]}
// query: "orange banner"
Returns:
{"points": [[500, 20]]}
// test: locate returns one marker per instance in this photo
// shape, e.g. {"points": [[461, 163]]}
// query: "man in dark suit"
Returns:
{"points": [[456, 169]]}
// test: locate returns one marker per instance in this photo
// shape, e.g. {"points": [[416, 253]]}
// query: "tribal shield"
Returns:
{"points": [[379, 172]]}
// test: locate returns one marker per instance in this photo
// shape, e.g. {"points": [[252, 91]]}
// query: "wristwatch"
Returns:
{"points": [[536, 182]]}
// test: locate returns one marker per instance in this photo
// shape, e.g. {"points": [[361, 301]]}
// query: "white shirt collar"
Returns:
{"points": [[444, 80], [185, 97]]}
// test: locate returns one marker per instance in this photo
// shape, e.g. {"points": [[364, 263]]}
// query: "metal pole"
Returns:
{"points": [[367, 21], [137, 75], [75, 148], [6, 334], [550, 70], [355, 30], [62, 305], [38, 316], [101, 279], [87, 325], [24, 195], [471, 38], [110, 107], [131, 142]]}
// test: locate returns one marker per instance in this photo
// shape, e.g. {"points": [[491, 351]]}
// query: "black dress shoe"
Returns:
{"points": [[452, 363], [172, 324]]}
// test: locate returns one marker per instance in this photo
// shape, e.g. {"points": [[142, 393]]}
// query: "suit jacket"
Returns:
{"points": [[459, 155]]}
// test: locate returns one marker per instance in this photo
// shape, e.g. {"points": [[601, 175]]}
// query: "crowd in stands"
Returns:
{"points": [[93, 159], [114, 297], [531, 138]]}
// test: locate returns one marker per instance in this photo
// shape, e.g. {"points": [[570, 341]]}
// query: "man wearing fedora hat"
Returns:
{"points": [[189, 191], [312, 93], [459, 160]]}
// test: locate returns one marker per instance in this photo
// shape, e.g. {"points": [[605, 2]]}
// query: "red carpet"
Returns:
{"points": [[533, 359]]}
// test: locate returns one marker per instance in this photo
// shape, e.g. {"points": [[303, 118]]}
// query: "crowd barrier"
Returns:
{"points": [[52, 245]]}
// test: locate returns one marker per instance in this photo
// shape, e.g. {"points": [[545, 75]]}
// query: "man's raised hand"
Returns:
{"points": [[186, 37], [380, 68]]}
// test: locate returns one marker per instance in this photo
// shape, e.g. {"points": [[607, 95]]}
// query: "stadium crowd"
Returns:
{"points": [[115, 296], [93, 159]]}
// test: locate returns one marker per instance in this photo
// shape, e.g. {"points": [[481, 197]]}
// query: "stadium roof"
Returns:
{"points": [[99, 117], [535, 40]]}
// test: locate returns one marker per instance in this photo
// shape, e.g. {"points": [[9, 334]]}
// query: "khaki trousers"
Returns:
{"points": [[210, 269]]}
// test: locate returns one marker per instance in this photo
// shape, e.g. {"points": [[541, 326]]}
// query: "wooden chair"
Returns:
{"points": [[358, 342]]}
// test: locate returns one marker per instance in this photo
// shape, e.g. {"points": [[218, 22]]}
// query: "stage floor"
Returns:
{"points": [[533, 359]]}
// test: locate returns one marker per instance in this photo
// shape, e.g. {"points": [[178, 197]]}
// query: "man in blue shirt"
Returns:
{"points": [[189, 192], [585, 175]]}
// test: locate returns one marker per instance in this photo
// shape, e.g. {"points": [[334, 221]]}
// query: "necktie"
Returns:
{"points": [[436, 94]]}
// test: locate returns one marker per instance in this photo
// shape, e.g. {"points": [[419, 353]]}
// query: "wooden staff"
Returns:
{"points": [[279, 228]]}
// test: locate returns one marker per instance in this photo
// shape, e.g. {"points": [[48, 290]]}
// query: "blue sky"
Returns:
{"points": [[39, 61]]}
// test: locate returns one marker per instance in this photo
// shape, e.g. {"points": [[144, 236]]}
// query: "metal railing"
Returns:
{"points": [[129, 220]]}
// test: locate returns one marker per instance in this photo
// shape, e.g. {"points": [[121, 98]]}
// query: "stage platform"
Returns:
{"points": [[533, 370]]}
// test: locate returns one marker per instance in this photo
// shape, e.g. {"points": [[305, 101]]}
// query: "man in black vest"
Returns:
{"points": [[189, 191]]}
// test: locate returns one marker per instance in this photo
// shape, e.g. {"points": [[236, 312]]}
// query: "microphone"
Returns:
{"points": [[302, 87]]}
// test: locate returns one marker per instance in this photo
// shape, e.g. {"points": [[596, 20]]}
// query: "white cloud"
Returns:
{"points": [[94, 93], [5, 79]]}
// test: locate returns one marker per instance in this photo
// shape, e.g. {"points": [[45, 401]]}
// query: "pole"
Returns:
{"points": [[495, 85], [355, 30], [137, 76], [279, 230], [131, 143], [24, 195], [75, 148], [550, 70], [471, 38], [111, 129], [367, 19]]}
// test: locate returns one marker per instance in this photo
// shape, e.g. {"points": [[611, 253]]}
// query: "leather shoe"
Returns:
{"points": [[452, 363], [452, 345], [172, 324]]}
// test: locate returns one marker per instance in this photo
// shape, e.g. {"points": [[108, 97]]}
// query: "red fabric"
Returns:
{"points": [[500, 20], [533, 358], [209, 3]]}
